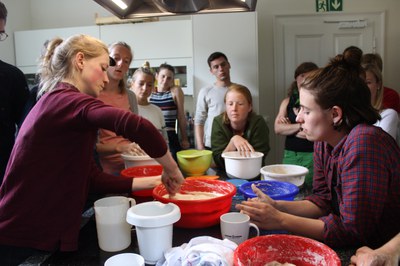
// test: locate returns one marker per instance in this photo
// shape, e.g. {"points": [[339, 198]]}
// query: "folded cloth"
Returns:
{"points": [[201, 251]]}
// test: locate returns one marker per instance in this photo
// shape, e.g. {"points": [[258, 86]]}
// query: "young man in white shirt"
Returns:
{"points": [[210, 101]]}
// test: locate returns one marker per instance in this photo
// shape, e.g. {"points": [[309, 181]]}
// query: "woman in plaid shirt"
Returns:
{"points": [[356, 189]]}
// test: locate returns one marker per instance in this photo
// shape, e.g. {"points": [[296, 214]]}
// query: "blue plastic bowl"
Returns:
{"points": [[277, 190]]}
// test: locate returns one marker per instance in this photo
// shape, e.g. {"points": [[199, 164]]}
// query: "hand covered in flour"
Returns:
{"points": [[261, 210], [388, 254], [240, 144], [172, 177], [131, 149]]}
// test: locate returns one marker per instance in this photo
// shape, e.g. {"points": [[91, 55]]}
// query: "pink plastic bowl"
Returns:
{"points": [[297, 250], [200, 213]]}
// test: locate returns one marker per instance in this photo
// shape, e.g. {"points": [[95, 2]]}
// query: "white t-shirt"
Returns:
{"points": [[389, 122], [210, 103], [154, 114]]}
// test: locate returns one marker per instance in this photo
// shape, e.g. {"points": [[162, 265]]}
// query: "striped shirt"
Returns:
{"points": [[166, 102]]}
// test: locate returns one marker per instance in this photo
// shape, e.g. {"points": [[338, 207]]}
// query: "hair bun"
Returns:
{"points": [[146, 64], [352, 55]]}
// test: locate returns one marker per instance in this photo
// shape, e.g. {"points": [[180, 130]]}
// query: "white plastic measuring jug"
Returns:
{"points": [[113, 232]]}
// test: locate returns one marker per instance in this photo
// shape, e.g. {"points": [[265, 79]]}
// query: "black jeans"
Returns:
{"points": [[173, 143]]}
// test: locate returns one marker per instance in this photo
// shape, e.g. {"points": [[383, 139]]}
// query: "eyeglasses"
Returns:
{"points": [[3, 36]]}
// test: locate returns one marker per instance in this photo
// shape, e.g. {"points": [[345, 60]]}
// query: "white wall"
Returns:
{"points": [[38, 14]]}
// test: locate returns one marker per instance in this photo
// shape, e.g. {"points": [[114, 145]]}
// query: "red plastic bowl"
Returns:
{"points": [[297, 250], [200, 213], [142, 171]]}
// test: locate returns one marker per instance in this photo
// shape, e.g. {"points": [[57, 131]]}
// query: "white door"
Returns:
{"points": [[317, 38]]}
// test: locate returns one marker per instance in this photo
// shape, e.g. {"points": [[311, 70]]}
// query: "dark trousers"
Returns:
{"points": [[173, 143]]}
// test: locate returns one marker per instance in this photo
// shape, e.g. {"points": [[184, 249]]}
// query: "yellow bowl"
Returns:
{"points": [[194, 162]]}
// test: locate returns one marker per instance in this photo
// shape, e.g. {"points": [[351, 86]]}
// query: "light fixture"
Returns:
{"points": [[120, 4], [158, 8]]}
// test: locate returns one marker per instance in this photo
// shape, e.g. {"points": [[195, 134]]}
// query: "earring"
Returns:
{"points": [[337, 124]]}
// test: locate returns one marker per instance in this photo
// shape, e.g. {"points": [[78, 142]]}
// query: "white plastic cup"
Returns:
{"points": [[235, 226], [125, 259], [113, 232], [154, 223]]}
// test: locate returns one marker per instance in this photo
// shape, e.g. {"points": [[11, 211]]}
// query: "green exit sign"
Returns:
{"points": [[329, 5]]}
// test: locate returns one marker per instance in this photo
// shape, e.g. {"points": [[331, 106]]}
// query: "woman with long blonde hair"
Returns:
{"points": [[51, 168], [110, 146], [389, 121]]}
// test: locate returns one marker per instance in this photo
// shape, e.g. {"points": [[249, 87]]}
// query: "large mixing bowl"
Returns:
{"points": [[135, 160], [240, 166], [143, 171], [294, 174], [300, 251], [277, 190], [202, 212], [194, 162]]}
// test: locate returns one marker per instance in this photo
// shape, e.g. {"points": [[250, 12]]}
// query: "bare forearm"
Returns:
{"points": [[287, 129], [388, 254], [307, 227], [182, 127], [199, 134], [303, 208], [106, 149], [277, 215], [171, 177], [392, 247], [230, 146], [179, 101]]}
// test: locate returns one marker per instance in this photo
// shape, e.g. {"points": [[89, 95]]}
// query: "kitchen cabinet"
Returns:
{"points": [[152, 40], [28, 44], [184, 44], [157, 42]]}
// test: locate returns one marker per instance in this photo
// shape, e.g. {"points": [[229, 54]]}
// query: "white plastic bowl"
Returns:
{"points": [[125, 259], [294, 174], [240, 166], [133, 160]]}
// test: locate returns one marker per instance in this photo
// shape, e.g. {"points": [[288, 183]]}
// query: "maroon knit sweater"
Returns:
{"points": [[51, 167]]}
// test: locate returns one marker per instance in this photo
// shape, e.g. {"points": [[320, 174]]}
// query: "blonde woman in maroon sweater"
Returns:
{"points": [[51, 167]]}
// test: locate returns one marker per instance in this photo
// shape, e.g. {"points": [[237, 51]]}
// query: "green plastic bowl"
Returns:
{"points": [[194, 162]]}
